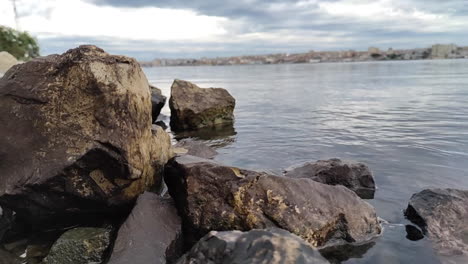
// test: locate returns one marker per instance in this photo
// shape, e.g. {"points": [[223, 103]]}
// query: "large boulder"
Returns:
{"points": [[158, 100], [273, 246], [81, 245], [193, 107], [442, 214], [210, 196], [151, 234], [6, 62], [76, 135], [355, 176]]}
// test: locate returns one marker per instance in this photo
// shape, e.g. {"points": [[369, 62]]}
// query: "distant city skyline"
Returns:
{"points": [[206, 28]]}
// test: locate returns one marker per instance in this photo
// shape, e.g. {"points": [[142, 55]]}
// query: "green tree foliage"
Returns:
{"points": [[19, 44]]}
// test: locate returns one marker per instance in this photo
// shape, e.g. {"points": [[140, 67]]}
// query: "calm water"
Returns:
{"points": [[407, 120]]}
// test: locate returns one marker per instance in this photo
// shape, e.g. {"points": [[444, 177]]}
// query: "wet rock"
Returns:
{"points": [[8, 258], [195, 148], [214, 197], [151, 234], [82, 245], [76, 135], [161, 124], [7, 218], [193, 107], [442, 214], [253, 247], [413, 233], [157, 102], [6, 62], [353, 175]]}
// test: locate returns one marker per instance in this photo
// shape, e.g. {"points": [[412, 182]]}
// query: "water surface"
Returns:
{"points": [[407, 120]]}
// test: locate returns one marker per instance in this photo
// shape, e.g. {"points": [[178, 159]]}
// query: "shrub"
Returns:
{"points": [[19, 44]]}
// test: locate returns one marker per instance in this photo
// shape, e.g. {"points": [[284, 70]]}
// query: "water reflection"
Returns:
{"points": [[217, 137]]}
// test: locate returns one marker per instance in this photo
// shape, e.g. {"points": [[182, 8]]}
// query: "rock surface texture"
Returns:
{"points": [[193, 107], [6, 62], [353, 175], [195, 148], [157, 102], [82, 245], [442, 214], [214, 197], [274, 246], [76, 135], [151, 234]]}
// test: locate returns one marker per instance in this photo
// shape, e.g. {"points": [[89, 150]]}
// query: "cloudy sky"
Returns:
{"points": [[194, 28]]}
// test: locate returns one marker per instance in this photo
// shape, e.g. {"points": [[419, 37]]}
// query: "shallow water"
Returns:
{"points": [[407, 120]]}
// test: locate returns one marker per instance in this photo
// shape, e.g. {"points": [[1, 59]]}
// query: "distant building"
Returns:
{"points": [[440, 51], [373, 50]]}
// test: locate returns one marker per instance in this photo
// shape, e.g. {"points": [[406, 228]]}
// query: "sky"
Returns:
{"points": [[209, 28]]}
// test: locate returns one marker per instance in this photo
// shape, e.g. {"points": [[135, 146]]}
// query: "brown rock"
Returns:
{"points": [[355, 176], [442, 215], [76, 135], [273, 246], [193, 107], [157, 102], [215, 197], [195, 148], [151, 234]]}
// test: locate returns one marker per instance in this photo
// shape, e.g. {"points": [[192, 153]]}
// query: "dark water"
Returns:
{"points": [[407, 120]]}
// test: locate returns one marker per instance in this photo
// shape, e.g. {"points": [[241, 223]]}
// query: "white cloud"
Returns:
{"points": [[53, 18]]}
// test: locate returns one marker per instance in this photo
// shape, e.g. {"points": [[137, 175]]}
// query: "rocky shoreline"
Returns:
{"points": [[84, 166]]}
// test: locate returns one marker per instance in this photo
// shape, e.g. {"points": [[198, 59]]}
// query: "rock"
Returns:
{"points": [[161, 124], [273, 246], [215, 197], [8, 258], [413, 233], [442, 214], [76, 135], [6, 61], [157, 102], [151, 234], [195, 148], [353, 175], [193, 107], [81, 245], [7, 218]]}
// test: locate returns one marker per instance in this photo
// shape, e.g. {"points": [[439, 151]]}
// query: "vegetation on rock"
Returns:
{"points": [[18, 43]]}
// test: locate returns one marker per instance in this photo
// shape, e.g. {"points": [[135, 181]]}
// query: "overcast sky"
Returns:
{"points": [[178, 29]]}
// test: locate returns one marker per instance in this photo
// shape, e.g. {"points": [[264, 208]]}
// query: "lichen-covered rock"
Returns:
{"points": [[81, 245], [6, 62], [157, 102], [215, 197], [442, 214], [76, 135], [273, 246], [152, 233], [193, 107], [195, 148], [355, 176]]}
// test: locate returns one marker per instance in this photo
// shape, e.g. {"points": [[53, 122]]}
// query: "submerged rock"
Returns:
{"points": [[215, 197], [82, 245], [76, 135], [6, 62], [193, 107], [353, 175], [151, 234], [195, 148], [273, 246], [442, 215], [157, 102]]}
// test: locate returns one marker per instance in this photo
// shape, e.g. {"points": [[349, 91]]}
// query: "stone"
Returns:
{"points": [[81, 245], [210, 196], [355, 176], [413, 233], [151, 234], [272, 246], [193, 107], [8, 258], [6, 61], [442, 215], [158, 100], [195, 148], [76, 135]]}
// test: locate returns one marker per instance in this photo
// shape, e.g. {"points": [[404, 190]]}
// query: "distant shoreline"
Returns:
{"points": [[437, 51]]}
